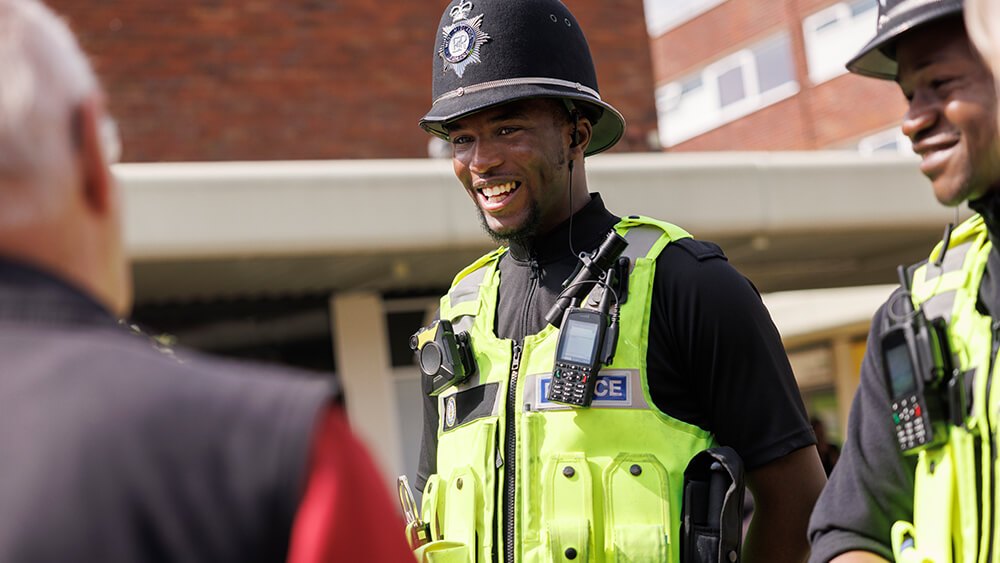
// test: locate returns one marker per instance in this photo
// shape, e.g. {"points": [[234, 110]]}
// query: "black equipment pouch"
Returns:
{"points": [[712, 525]]}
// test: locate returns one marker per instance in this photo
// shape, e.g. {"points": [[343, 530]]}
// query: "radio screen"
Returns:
{"points": [[901, 376], [578, 342]]}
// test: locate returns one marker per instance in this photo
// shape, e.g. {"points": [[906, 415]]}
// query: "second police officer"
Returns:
{"points": [[917, 480], [509, 475]]}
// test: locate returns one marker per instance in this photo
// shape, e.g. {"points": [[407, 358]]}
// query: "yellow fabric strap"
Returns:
{"points": [[443, 551]]}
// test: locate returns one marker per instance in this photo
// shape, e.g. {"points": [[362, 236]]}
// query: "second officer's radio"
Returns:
{"points": [[917, 364]]}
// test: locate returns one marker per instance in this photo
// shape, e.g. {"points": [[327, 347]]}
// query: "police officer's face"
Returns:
{"points": [[952, 113], [512, 160]]}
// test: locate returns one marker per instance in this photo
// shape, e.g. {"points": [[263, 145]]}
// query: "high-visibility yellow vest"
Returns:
{"points": [[955, 487], [596, 484]]}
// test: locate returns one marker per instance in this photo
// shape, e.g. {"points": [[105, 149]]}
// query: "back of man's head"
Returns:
{"points": [[982, 19], [59, 206], [43, 78]]}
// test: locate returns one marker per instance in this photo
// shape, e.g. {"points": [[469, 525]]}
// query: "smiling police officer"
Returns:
{"points": [[918, 474], [510, 472]]}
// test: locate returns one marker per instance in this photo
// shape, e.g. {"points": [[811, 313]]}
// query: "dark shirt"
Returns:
{"points": [[113, 451], [872, 485], [714, 358]]}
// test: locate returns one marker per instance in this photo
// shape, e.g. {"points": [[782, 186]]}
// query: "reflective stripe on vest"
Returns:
{"points": [[467, 288], [622, 449]]}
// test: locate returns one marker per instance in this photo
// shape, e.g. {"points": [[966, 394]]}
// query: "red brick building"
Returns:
{"points": [[768, 75], [203, 80]]}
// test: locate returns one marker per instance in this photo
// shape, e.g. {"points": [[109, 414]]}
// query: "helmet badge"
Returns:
{"points": [[462, 39]]}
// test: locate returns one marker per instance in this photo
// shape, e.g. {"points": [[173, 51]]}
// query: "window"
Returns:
{"points": [[725, 90], [835, 34], [664, 15], [888, 141]]}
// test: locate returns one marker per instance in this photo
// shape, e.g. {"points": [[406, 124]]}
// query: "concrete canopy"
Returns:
{"points": [[242, 229]]}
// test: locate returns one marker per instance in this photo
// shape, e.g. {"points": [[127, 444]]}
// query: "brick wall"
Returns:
{"points": [[712, 34], [832, 114], [193, 80]]}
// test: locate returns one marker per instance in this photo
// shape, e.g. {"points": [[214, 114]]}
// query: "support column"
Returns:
{"points": [[845, 377], [363, 365]]}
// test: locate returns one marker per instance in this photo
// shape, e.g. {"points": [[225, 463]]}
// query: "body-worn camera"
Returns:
{"points": [[445, 358], [917, 364]]}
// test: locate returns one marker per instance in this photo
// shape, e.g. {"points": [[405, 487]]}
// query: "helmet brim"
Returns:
{"points": [[876, 59], [607, 130]]}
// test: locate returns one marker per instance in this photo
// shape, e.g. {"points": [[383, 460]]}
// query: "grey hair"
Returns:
{"points": [[982, 21], [44, 76]]}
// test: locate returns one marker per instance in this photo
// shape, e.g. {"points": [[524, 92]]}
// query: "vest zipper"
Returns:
{"points": [[510, 464], [510, 474], [510, 478], [532, 285], [993, 440]]}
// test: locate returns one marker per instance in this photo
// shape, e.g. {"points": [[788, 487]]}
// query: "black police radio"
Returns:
{"points": [[917, 364], [579, 355], [587, 337], [445, 358]]}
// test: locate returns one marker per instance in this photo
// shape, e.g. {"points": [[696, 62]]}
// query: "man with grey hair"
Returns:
{"points": [[109, 450], [982, 19]]}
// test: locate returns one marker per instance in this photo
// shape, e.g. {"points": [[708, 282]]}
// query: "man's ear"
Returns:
{"points": [[581, 133], [92, 155]]}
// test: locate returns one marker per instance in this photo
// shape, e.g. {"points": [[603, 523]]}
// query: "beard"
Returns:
{"points": [[521, 236]]}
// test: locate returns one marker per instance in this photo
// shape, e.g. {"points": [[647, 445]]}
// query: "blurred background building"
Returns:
{"points": [[283, 205], [767, 75]]}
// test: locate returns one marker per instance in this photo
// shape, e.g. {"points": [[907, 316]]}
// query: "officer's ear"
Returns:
{"points": [[581, 132]]}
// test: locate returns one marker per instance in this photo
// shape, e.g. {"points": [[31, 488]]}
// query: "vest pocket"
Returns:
{"points": [[465, 502], [462, 502], [430, 505], [568, 508], [637, 509], [438, 550]]}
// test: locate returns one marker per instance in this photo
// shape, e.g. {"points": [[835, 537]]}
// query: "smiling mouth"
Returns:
{"points": [[495, 195], [934, 158]]}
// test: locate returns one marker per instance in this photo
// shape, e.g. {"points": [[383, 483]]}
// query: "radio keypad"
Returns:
{"points": [[908, 418], [569, 384]]}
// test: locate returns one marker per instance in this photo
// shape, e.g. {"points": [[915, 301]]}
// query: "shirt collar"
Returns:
{"points": [[31, 294], [590, 225]]}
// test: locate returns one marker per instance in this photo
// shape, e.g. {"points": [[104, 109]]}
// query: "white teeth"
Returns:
{"points": [[492, 191]]}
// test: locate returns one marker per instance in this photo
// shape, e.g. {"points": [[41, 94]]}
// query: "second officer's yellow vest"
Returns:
{"points": [[954, 504], [592, 485]]}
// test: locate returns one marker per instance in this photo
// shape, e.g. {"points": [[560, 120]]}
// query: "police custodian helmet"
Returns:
{"points": [[895, 17], [490, 52]]}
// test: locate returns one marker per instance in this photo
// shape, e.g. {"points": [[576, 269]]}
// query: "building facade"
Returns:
{"points": [[769, 75], [224, 80]]}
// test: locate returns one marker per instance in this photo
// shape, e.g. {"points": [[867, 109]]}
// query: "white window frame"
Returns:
{"points": [[866, 145], [657, 24], [753, 100], [841, 14]]}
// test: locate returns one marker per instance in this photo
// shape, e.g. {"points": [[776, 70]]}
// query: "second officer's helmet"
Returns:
{"points": [[896, 17], [490, 52]]}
